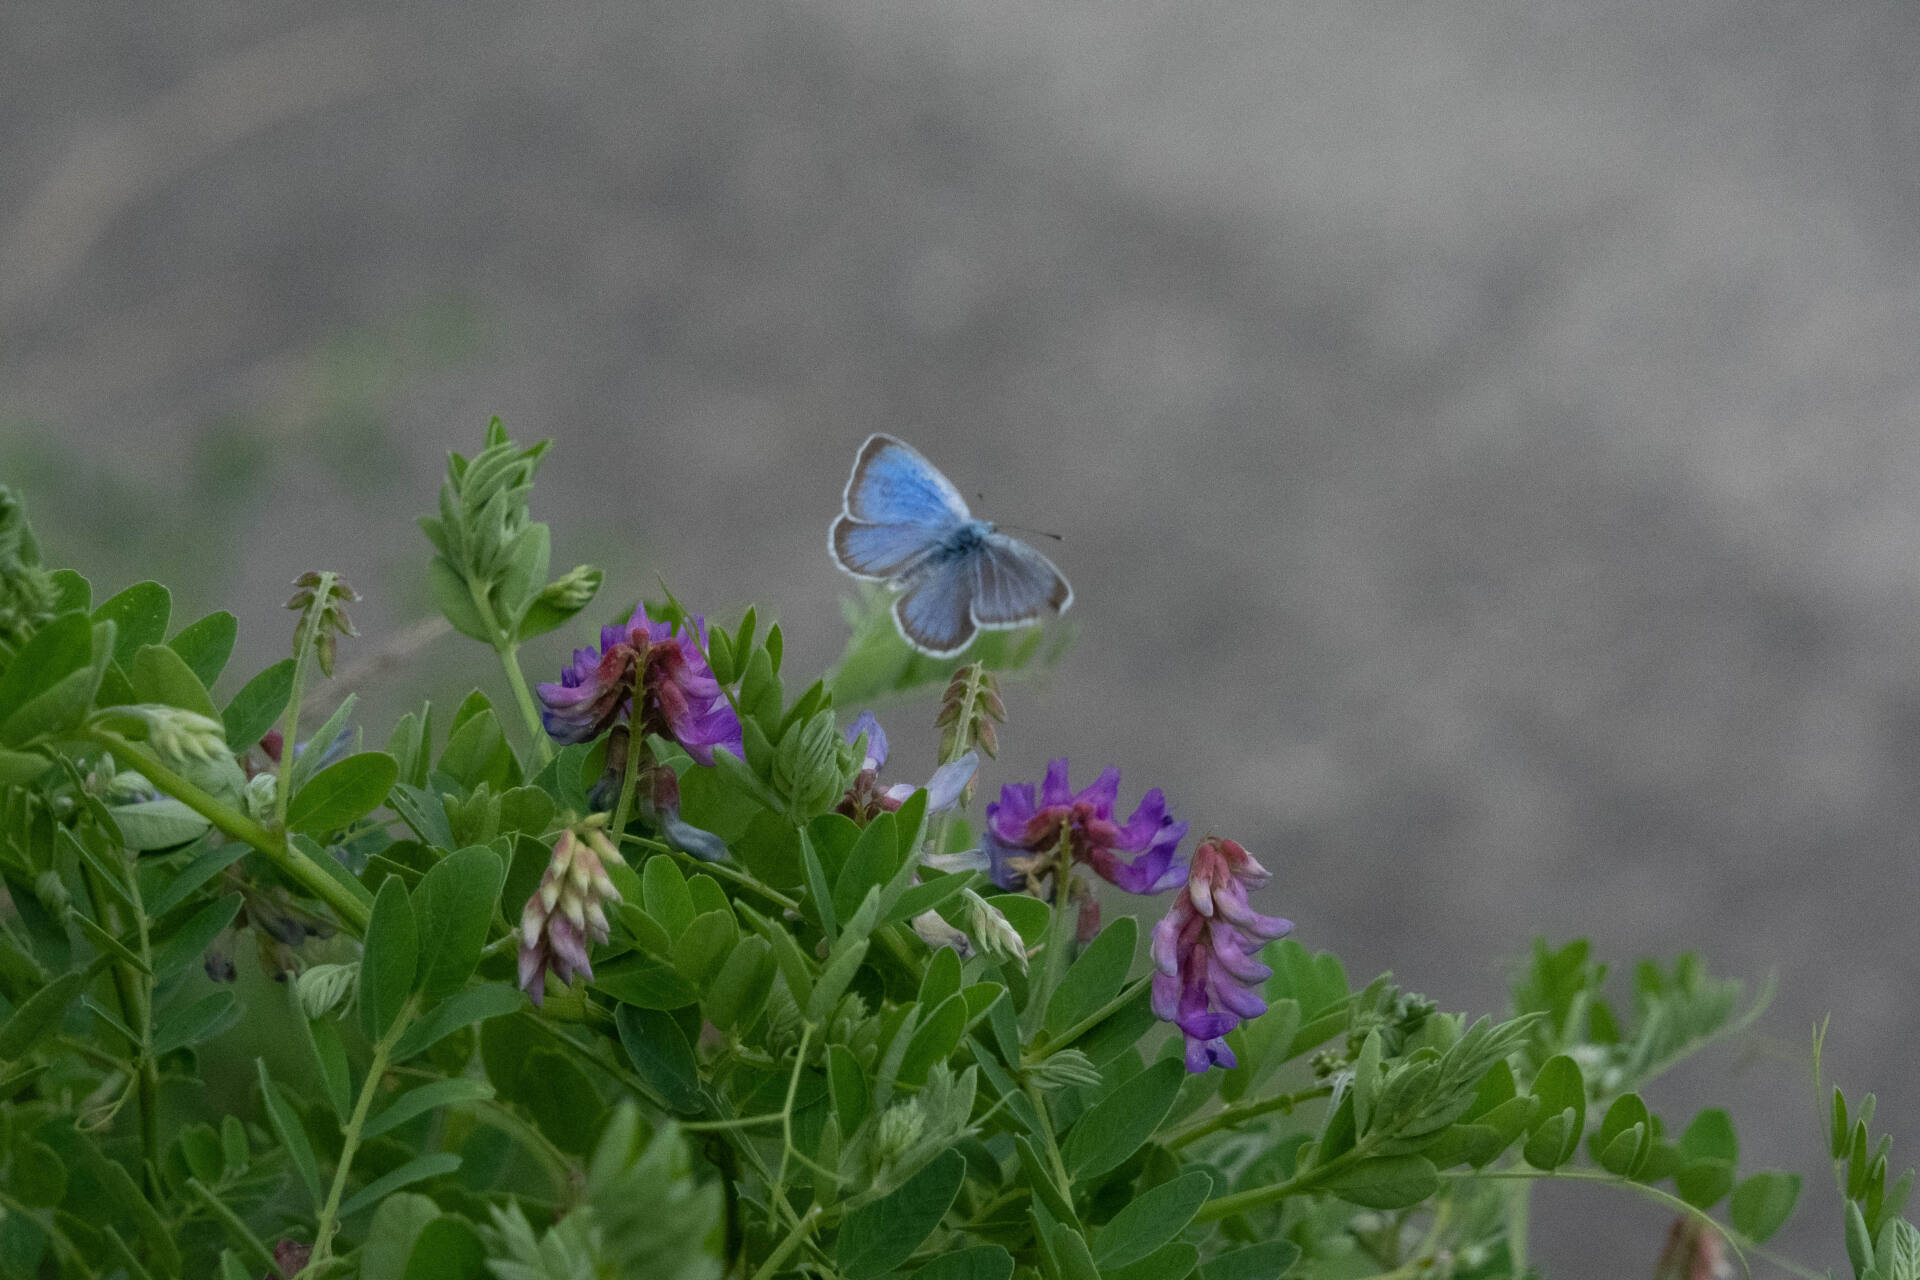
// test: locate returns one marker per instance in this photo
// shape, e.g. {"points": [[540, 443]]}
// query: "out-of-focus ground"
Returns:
{"points": [[1483, 434]]}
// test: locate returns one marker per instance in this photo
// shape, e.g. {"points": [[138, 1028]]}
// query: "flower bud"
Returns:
{"points": [[324, 987], [900, 1127], [260, 791], [937, 933], [806, 764], [182, 734], [991, 930], [52, 893], [1069, 1067], [572, 591]]}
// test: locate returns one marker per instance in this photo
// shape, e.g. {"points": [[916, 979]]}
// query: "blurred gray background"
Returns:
{"points": [[1483, 434]]}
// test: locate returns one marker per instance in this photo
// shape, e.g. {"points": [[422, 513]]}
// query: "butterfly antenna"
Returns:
{"points": [[1033, 533]]}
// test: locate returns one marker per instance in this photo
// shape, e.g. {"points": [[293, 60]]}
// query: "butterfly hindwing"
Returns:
{"points": [[934, 613], [893, 484], [1013, 584]]}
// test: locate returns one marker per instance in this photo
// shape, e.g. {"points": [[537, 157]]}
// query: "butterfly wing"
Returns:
{"points": [[892, 484], [934, 612], [880, 552], [1013, 584]]}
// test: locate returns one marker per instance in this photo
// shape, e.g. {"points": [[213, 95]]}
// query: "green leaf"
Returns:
{"points": [[447, 1249], [981, 1262], [293, 1138], [1387, 1182], [1560, 1117], [397, 1223], [204, 867], [158, 674], [185, 945], [1708, 1152], [455, 602], [699, 952], [847, 1086], [428, 1097], [1172, 1261], [1763, 1203], [644, 981], [38, 1177], [343, 792], [461, 1009], [664, 895], [1255, 1262], [157, 824], [206, 645], [330, 1058], [59, 706], [71, 591], [842, 963], [453, 905], [1096, 976], [662, 1055], [139, 615], [1121, 1123], [743, 986], [881, 1234], [258, 705], [934, 1040], [1151, 1219], [56, 651], [22, 768], [202, 1020], [1625, 1138], [1074, 1260], [389, 960], [416, 1170]]}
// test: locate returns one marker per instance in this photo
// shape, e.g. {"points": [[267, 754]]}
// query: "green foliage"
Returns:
{"points": [[781, 1063]]}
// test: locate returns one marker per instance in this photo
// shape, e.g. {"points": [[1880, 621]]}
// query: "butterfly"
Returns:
{"points": [[903, 523]]}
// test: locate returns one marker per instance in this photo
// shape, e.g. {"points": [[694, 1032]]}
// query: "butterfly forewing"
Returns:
{"points": [[893, 484], [1014, 584], [880, 551]]}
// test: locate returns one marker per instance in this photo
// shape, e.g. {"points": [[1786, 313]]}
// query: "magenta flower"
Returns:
{"points": [[1206, 952], [565, 912], [1023, 830], [647, 662]]}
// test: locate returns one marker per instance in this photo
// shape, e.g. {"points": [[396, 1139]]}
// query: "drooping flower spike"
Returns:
{"points": [[566, 911], [648, 665], [1024, 829], [1206, 952]]}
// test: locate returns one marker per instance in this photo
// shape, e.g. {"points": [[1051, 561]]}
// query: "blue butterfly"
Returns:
{"points": [[904, 524]]}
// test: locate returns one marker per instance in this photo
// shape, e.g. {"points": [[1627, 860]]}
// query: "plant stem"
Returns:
{"points": [[134, 991], [1260, 1197], [623, 805], [350, 1134], [1226, 1119], [508, 650], [281, 851], [1127, 996], [1060, 926], [303, 638], [784, 1250]]}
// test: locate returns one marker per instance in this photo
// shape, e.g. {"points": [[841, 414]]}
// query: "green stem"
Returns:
{"points": [[1226, 1119], [236, 1226], [1128, 994], [281, 851], [134, 992], [784, 1250], [303, 638], [350, 1133], [508, 649], [623, 806], [1301, 1183], [962, 733], [1060, 926], [1061, 1177]]}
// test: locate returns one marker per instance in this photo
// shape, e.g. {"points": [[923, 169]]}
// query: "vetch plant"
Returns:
{"points": [[657, 972]]}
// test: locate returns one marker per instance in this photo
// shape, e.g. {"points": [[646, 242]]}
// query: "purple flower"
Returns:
{"points": [[1206, 952], [647, 663], [866, 798], [565, 912], [1023, 830]]}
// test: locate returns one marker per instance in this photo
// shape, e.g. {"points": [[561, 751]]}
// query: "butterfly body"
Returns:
{"points": [[903, 523]]}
